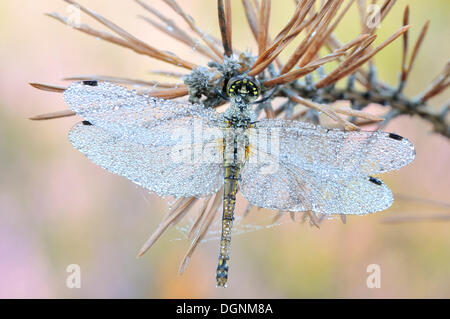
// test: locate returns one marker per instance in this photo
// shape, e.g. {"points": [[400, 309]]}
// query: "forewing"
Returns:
{"points": [[159, 168], [167, 147], [355, 151], [139, 118]]}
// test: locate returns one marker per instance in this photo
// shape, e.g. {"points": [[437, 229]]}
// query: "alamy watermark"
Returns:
{"points": [[73, 16], [373, 16], [74, 279], [201, 144], [374, 279]]}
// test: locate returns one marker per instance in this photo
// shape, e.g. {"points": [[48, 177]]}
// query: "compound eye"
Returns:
{"points": [[232, 90], [234, 87], [243, 87], [253, 89]]}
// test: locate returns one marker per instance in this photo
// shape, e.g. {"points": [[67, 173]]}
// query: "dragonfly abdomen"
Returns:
{"points": [[231, 177], [235, 153]]}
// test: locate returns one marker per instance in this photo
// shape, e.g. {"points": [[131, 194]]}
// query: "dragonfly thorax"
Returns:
{"points": [[242, 92], [239, 114]]}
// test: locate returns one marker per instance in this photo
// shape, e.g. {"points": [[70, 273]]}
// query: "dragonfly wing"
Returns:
{"points": [[292, 188], [278, 190], [294, 166], [168, 147], [140, 118], [355, 151], [159, 168]]}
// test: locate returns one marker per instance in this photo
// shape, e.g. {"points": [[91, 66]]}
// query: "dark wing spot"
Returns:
{"points": [[90, 83], [86, 123], [395, 136], [376, 181]]}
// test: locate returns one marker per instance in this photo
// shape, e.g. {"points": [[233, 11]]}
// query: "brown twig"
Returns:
{"points": [[321, 34], [204, 228], [291, 76], [323, 108], [200, 218], [405, 45], [133, 41], [326, 34], [203, 35], [224, 16], [122, 80], [438, 85], [53, 115], [417, 46], [354, 66], [173, 30], [296, 25], [169, 74], [124, 43], [48, 87], [263, 26], [183, 207], [169, 93], [251, 17], [309, 38]]}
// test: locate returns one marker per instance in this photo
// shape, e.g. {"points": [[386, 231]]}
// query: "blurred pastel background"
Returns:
{"points": [[57, 208]]}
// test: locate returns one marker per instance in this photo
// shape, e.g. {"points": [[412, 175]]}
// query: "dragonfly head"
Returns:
{"points": [[243, 89]]}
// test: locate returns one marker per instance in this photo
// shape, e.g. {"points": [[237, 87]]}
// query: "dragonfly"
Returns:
{"points": [[181, 149]]}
